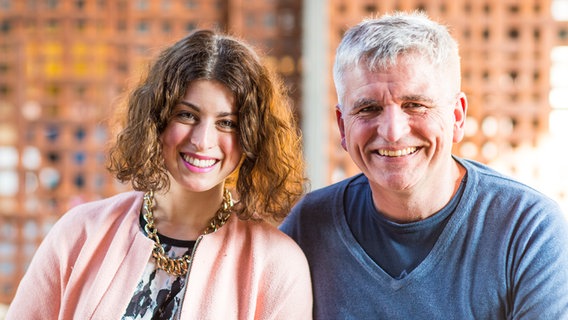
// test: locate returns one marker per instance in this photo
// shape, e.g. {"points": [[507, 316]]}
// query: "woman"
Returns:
{"points": [[208, 118]]}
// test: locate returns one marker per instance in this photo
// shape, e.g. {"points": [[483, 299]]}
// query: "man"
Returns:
{"points": [[421, 234]]}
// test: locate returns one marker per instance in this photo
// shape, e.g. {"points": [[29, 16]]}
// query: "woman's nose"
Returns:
{"points": [[203, 136]]}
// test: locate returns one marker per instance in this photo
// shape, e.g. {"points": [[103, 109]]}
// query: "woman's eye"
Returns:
{"points": [[186, 116], [228, 124]]}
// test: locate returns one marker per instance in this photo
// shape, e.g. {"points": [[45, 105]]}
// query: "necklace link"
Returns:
{"points": [[179, 266]]}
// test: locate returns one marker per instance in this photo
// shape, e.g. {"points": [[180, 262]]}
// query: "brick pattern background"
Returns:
{"points": [[65, 64]]}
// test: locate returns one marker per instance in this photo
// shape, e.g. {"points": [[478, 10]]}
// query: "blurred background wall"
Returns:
{"points": [[65, 66]]}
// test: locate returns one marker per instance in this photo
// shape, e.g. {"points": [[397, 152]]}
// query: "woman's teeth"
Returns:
{"points": [[198, 162]]}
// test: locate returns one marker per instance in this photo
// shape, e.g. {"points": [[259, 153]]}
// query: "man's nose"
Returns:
{"points": [[393, 124]]}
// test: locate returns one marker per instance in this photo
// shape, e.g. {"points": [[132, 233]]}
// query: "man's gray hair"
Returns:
{"points": [[378, 43]]}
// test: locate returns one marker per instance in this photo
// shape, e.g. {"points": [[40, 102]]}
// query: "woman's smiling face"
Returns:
{"points": [[200, 144]]}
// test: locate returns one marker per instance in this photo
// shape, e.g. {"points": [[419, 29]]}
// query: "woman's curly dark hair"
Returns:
{"points": [[271, 177]]}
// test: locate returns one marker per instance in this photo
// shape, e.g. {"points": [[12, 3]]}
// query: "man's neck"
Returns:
{"points": [[420, 203]]}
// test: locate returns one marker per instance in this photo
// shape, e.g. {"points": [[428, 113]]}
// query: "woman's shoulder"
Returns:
{"points": [[266, 237], [258, 229], [93, 219], [101, 211]]}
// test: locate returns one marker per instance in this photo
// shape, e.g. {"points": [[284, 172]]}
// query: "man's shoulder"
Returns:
{"points": [[487, 186], [491, 180], [333, 191], [318, 205]]}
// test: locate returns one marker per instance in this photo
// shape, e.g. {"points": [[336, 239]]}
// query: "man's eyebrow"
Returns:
{"points": [[409, 97], [364, 102], [416, 97]]}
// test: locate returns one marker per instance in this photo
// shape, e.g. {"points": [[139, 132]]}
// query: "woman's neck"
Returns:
{"points": [[184, 215]]}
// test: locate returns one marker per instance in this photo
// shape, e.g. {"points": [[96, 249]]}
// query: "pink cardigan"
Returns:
{"points": [[91, 261]]}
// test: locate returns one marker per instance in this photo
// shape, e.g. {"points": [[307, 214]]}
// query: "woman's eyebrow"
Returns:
{"points": [[189, 104], [196, 108]]}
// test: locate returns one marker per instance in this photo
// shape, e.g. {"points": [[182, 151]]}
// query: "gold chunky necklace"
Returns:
{"points": [[179, 266]]}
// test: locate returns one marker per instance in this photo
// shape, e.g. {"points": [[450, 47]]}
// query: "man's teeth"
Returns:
{"points": [[198, 162], [397, 153]]}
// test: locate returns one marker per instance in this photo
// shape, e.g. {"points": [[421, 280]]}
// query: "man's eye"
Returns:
{"points": [[413, 105], [369, 109]]}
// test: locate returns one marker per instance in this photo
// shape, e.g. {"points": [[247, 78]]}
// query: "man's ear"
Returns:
{"points": [[340, 125], [460, 111]]}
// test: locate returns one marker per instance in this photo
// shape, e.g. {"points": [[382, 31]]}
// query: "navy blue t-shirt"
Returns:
{"points": [[396, 247]]}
